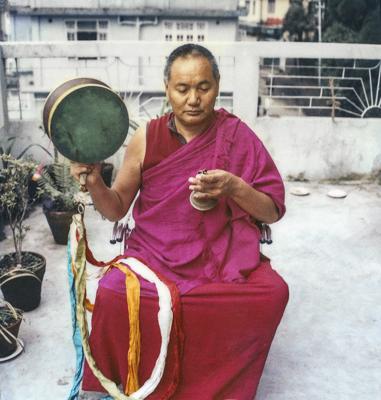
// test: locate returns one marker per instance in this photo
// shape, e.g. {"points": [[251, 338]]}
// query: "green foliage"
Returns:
{"points": [[299, 22], [353, 21], [352, 13], [338, 32], [371, 29], [14, 197], [8, 314], [58, 188]]}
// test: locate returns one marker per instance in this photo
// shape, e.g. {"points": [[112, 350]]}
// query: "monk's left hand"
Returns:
{"points": [[214, 184]]}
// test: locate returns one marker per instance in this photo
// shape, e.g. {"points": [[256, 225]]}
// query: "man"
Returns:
{"points": [[232, 300]]}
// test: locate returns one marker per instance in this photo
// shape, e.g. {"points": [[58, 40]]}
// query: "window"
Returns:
{"points": [[41, 96], [86, 29], [70, 24], [184, 31], [271, 6], [103, 24], [184, 26], [87, 25], [85, 35]]}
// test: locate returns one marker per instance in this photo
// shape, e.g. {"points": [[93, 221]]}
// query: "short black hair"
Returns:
{"points": [[191, 49]]}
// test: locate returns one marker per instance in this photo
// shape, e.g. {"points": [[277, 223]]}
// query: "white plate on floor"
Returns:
{"points": [[337, 194], [17, 352], [299, 191]]}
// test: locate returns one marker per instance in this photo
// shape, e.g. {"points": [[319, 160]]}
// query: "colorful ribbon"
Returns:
{"points": [[79, 252], [133, 303], [76, 336]]}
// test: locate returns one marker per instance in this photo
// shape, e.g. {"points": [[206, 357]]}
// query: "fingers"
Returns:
{"points": [[78, 169], [205, 181], [203, 196], [212, 184]]}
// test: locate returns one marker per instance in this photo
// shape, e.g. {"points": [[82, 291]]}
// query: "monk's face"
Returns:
{"points": [[192, 90]]}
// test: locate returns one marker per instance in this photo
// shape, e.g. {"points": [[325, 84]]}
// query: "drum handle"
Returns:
{"points": [[82, 182]]}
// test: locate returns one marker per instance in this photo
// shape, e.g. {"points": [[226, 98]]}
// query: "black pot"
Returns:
{"points": [[2, 225], [106, 172], [22, 286], [59, 223], [7, 347]]}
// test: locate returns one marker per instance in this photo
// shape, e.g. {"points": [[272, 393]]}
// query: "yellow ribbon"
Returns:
{"points": [[133, 302], [80, 287]]}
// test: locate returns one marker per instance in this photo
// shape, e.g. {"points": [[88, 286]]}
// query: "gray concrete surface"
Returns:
{"points": [[328, 346]]}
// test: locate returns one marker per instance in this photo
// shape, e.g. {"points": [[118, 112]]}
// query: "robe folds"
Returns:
{"points": [[232, 300]]}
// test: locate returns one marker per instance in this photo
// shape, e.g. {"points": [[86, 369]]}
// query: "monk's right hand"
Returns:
{"points": [[92, 173]]}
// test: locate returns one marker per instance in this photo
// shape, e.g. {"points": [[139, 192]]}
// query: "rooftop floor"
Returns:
{"points": [[328, 344]]}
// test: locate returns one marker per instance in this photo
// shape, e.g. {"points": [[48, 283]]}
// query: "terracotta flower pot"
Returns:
{"points": [[21, 285], [59, 223]]}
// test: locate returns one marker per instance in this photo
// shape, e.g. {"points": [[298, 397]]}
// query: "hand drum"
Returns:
{"points": [[86, 121]]}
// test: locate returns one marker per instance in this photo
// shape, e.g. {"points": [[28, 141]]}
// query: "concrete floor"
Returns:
{"points": [[328, 346]]}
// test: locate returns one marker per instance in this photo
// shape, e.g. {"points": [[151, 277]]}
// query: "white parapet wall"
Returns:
{"points": [[311, 147], [321, 148]]}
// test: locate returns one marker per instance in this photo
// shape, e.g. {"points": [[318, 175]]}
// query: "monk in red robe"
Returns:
{"points": [[231, 299]]}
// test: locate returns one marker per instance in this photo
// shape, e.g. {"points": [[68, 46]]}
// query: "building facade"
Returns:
{"points": [[181, 21], [264, 18], [106, 20]]}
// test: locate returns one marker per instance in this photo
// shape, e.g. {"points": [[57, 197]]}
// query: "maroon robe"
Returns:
{"points": [[229, 318]]}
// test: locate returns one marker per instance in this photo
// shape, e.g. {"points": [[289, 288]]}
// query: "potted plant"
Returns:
{"points": [[58, 190], [6, 147], [10, 320], [21, 272]]}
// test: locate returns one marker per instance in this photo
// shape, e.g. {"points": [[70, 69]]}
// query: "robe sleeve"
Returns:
{"points": [[267, 179]]}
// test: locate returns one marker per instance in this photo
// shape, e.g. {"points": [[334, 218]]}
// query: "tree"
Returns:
{"points": [[14, 197], [353, 21], [299, 23]]}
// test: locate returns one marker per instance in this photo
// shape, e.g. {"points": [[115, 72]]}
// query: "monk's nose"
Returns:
{"points": [[193, 99]]}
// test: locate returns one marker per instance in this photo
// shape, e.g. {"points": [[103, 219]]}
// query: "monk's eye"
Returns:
{"points": [[204, 88], [182, 89]]}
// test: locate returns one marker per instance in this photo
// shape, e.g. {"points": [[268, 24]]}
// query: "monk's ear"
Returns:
{"points": [[218, 85], [166, 86]]}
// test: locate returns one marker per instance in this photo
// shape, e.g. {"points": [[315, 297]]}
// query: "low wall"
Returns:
{"points": [[320, 148], [315, 148]]}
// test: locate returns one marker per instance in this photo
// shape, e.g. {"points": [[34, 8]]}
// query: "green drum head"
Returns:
{"points": [[89, 124]]}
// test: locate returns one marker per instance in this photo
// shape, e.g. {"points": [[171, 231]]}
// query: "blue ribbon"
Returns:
{"points": [[76, 335]]}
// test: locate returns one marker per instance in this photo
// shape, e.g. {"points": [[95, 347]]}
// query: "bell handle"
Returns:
{"points": [[82, 181]]}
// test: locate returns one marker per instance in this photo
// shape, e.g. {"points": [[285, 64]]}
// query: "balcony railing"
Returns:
{"points": [[260, 82], [259, 78]]}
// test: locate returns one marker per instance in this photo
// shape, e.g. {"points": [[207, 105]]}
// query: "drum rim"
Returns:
{"points": [[55, 93], [68, 92], [64, 90]]}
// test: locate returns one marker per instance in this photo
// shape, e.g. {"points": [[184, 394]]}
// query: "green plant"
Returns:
{"points": [[14, 196], [58, 188]]}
